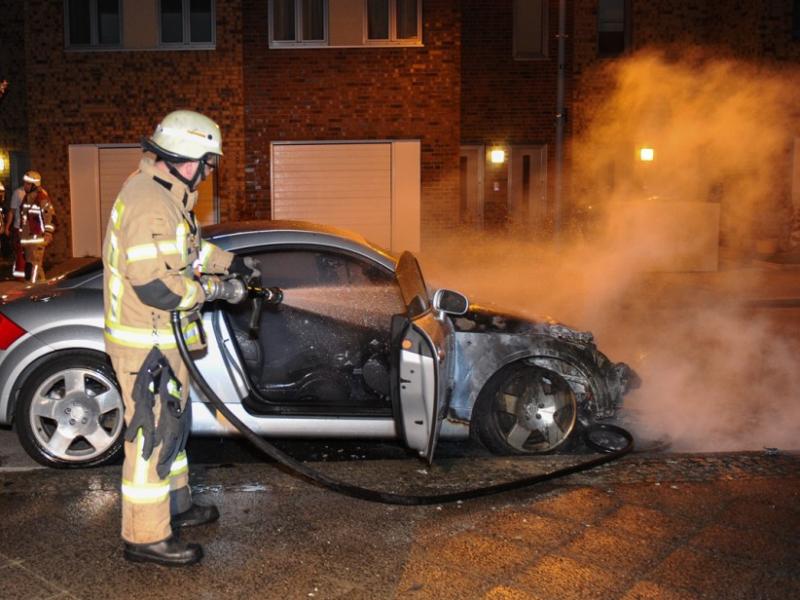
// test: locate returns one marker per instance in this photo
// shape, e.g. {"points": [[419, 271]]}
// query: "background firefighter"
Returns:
{"points": [[155, 262], [35, 233], [5, 250], [30, 182]]}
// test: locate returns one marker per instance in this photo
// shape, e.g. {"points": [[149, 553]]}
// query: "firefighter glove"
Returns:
{"points": [[248, 267], [145, 386], [171, 421], [232, 290]]}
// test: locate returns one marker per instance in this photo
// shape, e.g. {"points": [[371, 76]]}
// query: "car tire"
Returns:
{"points": [[526, 409], [70, 412]]}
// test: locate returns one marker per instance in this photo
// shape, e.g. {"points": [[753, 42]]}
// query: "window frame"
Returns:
{"points": [[626, 32], [94, 30], [298, 42], [393, 39], [186, 16], [795, 31], [544, 50]]}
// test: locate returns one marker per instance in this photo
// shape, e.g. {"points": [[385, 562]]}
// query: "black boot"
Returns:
{"points": [[170, 552], [196, 515]]}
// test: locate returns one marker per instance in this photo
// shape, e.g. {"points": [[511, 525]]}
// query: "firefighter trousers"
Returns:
{"points": [[34, 257], [148, 501]]}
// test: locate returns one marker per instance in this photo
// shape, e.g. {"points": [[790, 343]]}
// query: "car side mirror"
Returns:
{"points": [[450, 302]]}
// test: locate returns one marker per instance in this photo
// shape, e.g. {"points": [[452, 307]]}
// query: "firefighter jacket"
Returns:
{"points": [[35, 218], [152, 257]]}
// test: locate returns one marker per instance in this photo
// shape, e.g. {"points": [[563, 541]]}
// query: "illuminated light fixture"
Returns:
{"points": [[497, 156], [647, 154], [2, 164]]}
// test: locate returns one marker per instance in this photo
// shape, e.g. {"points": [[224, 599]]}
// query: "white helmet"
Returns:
{"points": [[32, 177], [185, 135]]}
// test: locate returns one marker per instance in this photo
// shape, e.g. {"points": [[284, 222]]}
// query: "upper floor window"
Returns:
{"points": [[92, 23], [613, 27], [187, 23], [530, 29], [298, 22], [796, 20], [394, 21]]}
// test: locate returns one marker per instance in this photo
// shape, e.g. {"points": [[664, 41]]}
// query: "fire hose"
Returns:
{"points": [[313, 476]]}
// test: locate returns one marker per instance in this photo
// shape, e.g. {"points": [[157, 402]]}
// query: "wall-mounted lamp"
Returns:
{"points": [[2, 164], [497, 156], [647, 154]]}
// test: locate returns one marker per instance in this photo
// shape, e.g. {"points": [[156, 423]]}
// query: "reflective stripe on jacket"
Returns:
{"points": [[152, 239], [36, 217]]}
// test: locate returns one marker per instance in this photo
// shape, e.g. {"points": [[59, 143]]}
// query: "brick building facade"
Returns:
{"points": [[463, 86]]}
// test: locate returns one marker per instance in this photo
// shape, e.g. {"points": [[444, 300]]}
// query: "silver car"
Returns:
{"points": [[359, 348]]}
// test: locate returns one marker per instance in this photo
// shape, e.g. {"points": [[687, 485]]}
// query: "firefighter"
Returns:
{"points": [[35, 229], [3, 210], [30, 180], [155, 262]]}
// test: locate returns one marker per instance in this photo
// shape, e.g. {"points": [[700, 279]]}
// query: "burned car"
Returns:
{"points": [[359, 348]]}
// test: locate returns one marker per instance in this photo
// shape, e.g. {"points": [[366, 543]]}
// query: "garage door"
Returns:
{"points": [[346, 185], [114, 166], [96, 175]]}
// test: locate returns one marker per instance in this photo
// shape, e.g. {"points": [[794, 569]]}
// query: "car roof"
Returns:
{"points": [[236, 234]]}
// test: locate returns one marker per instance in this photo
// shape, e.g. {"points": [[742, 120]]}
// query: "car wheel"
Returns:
{"points": [[525, 409], [70, 412]]}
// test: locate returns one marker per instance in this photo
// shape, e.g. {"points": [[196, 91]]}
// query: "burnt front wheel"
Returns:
{"points": [[525, 409]]}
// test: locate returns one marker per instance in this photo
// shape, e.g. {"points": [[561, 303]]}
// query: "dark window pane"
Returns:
{"points": [[108, 21], [80, 31], [406, 19], [610, 27], [171, 21], [796, 20], [200, 25], [378, 19], [283, 20], [313, 20], [610, 43]]}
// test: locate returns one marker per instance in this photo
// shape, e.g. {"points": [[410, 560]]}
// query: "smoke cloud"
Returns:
{"points": [[717, 376]]}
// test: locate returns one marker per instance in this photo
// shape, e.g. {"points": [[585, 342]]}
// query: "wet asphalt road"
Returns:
{"points": [[649, 526]]}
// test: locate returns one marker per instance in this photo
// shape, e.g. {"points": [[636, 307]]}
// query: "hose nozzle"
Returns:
{"points": [[273, 295], [270, 295]]}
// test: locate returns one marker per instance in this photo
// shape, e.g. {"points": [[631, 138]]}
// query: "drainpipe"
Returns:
{"points": [[560, 116]]}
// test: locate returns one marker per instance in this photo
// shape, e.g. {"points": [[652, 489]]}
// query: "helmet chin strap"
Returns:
{"points": [[199, 175]]}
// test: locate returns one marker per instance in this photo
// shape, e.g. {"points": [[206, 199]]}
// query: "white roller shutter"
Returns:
{"points": [[346, 185], [115, 165]]}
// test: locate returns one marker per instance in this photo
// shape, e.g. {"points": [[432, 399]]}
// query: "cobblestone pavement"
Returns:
{"points": [[648, 526]]}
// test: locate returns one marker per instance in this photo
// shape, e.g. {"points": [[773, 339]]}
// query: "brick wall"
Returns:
{"points": [[505, 101], [358, 94], [13, 129], [118, 97]]}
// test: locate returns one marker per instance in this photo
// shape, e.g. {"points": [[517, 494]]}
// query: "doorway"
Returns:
{"points": [[471, 174], [527, 194]]}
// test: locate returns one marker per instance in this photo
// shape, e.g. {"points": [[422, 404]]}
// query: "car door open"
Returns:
{"points": [[422, 363]]}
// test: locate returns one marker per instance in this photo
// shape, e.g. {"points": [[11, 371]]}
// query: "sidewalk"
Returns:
{"points": [[52, 270]]}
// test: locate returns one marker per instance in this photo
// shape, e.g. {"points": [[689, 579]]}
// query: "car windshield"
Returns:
{"points": [[412, 285]]}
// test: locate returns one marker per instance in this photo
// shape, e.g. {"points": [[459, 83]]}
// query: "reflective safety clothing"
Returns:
{"points": [[152, 256], [36, 220]]}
